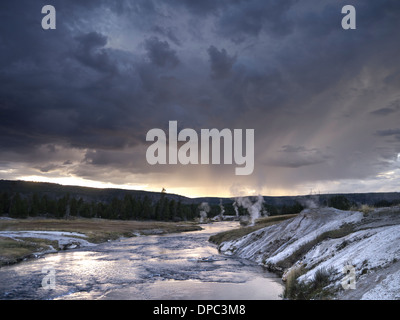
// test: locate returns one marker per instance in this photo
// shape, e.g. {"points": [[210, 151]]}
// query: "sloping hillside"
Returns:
{"points": [[54, 190], [327, 239]]}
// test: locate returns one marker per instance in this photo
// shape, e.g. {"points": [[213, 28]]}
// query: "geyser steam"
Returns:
{"points": [[254, 209], [204, 209], [236, 208], [222, 208]]}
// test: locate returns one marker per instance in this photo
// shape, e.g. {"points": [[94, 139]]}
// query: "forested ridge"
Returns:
{"points": [[22, 199]]}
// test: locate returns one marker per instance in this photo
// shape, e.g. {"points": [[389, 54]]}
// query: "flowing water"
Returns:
{"points": [[173, 266]]}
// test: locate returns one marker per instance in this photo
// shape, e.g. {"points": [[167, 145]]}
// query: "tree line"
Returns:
{"points": [[139, 207], [341, 202], [127, 208]]}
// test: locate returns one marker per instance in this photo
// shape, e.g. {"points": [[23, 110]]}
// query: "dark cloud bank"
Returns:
{"points": [[324, 102]]}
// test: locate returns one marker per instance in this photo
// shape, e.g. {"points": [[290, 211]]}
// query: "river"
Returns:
{"points": [[167, 267]]}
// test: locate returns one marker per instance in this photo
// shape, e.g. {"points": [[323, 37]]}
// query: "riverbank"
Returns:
{"points": [[311, 250], [21, 239], [241, 232]]}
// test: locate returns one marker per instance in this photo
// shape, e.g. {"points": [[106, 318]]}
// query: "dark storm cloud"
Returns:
{"points": [[91, 52], [160, 53], [393, 106], [249, 18], [167, 32], [200, 8], [389, 133], [49, 167], [299, 156], [67, 88], [221, 62], [383, 111], [112, 70]]}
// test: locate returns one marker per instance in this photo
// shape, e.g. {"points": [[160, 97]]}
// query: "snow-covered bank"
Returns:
{"points": [[66, 240], [329, 239]]}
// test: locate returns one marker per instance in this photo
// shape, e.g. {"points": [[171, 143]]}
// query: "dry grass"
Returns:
{"points": [[310, 290], [98, 230], [366, 209], [13, 251]]}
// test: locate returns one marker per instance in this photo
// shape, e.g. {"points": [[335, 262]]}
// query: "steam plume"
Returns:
{"points": [[254, 209], [204, 209]]}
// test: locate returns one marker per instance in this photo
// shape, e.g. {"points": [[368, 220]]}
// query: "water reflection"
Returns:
{"points": [[175, 266]]}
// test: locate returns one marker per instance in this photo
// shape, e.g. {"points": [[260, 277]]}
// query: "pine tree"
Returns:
{"points": [[79, 206], [35, 205], [61, 207], [179, 210], [147, 208], [172, 209], [127, 209], [4, 203], [157, 210], [19, 207], [51, 207], [1, 205], [115, 208], [165, 210], [73, 207], [43, 205], [135, 209]]}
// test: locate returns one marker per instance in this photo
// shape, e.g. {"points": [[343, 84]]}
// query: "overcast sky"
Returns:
{"points": [[76, 102]]}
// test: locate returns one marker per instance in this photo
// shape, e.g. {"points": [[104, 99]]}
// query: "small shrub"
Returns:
{"points": [[307, 290], [292, 285], [321, 277], [364, 271], [366, 209], [343, 245]]}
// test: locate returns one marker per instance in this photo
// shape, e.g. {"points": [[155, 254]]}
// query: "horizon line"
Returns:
{"points": [[121, 187]]}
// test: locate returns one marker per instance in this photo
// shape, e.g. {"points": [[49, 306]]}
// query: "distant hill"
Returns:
{"points": [[56, 191], [371, 198]]}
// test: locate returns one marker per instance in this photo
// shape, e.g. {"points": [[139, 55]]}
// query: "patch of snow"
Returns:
{"points": [[290, 235], [388, 289], [373, 249], [365, 250], [65, 239]]}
